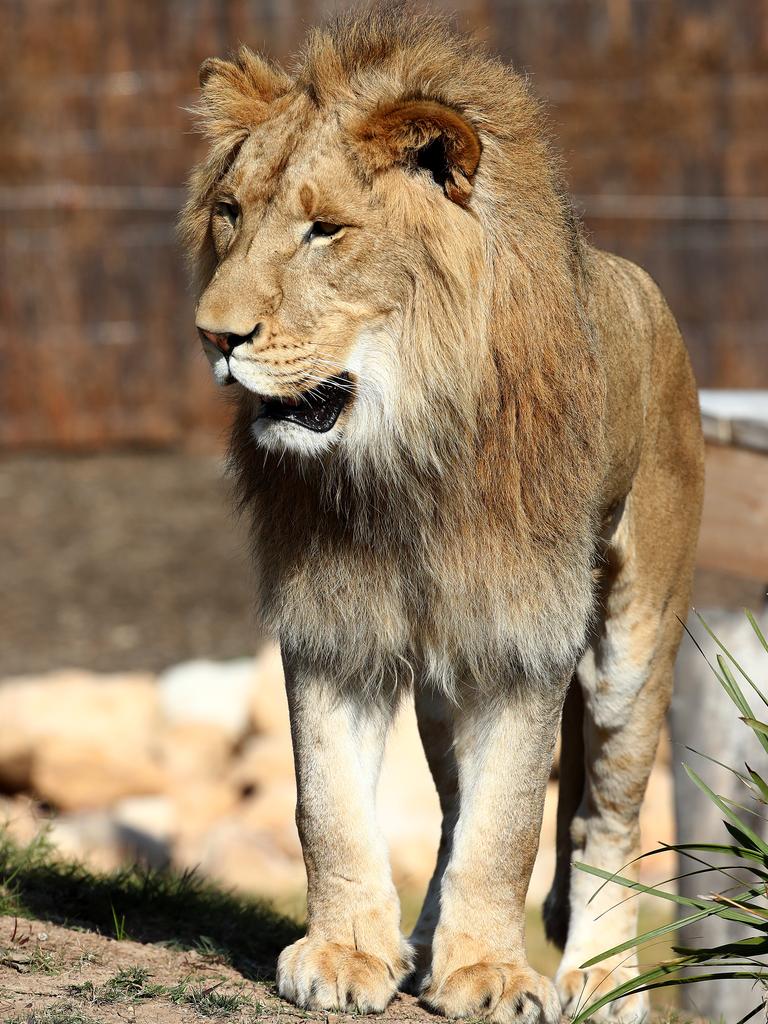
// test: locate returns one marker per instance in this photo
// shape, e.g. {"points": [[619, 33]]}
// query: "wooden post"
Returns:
{"points": [[734, 539]]}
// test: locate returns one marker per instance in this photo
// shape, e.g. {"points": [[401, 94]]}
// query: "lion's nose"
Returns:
{"points": [[228, 342]]}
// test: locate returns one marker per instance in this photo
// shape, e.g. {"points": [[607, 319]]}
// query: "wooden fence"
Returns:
{"points": [[659, 106]]}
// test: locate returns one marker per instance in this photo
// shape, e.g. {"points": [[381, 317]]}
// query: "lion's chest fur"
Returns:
{"points": [[379, 598]]}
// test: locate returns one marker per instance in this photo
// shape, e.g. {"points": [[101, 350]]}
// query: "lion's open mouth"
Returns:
{"points": [[316, 409]]}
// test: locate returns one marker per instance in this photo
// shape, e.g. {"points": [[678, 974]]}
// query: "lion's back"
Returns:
{"points": [[648, 372]]}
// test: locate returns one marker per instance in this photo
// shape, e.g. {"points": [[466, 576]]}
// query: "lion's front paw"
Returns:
{"points": [[503, 993], [318, 975], [578, 989]]}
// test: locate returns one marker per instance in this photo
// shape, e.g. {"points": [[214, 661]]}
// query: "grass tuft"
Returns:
{"points": [[210, 1001], [129, 985], [181, 910], [59, 1013]]}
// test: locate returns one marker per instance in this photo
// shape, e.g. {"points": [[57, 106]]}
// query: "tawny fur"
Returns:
{"points": [[522, 427], [496, 426]]}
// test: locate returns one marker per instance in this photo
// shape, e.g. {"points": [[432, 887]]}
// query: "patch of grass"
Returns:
{"points": [[44, 961], [211, 1001], [58, 1013], [34, 961], [178, 909], [206, 948], [85, 960], [129, 985], [132, 984]]}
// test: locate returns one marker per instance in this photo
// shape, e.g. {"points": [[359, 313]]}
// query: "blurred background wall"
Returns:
{"points": [[658, 106]]}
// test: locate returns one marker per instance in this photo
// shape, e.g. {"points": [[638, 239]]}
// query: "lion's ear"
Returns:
{"points": [[247, 77], [425, 134]]}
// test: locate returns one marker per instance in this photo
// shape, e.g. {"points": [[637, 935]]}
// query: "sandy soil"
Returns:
{"points": [[54, 975], [121, 562], [45, 968]]}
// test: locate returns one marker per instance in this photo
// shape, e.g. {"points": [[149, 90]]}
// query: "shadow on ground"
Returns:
{"points": [[181, 911]]}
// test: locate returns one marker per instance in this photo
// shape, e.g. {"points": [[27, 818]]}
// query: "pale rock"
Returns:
{"points": [[20, 818], [208, 692], [263, 761], [194, 750], [88, 836], [80, 775], [73, 708], [247, 859], [268, 702], [105, 841], [153, 816], [200, 803]]}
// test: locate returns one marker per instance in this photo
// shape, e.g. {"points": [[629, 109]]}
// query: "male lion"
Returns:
{"points": [[471, 446]]}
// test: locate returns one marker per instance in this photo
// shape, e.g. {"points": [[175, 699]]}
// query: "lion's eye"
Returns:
{"points": [[323, 229], [228, 210]]}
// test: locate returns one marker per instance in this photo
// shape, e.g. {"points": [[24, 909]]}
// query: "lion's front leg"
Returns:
{"points": [[479, 965], [353, 956]]}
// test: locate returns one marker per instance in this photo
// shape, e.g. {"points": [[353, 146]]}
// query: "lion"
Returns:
{"points": [[471, 447]]}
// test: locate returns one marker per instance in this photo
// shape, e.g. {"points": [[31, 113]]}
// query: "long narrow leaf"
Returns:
{"points": [[759, 843], [757, 944], [733, 661], [758, 631], [720, 764], [751, 1014], [715, 910], [759, 782], [647, 982], [699, 903], [743, 852]]}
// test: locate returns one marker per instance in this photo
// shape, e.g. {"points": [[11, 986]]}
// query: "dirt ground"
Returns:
{"points": [[54, 975], [136, 561], [121, 562]]}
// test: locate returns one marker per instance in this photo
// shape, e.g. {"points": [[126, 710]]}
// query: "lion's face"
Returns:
{"points": [[301, 249], [317, 248]]}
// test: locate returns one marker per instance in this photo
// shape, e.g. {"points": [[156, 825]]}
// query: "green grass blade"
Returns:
{"points": [[759, 782], [718, 801], [754, 944], [742, 852], [720, 764], [733, 661], [751, 1014], [685, 901], [655, 979], [758, 631]]}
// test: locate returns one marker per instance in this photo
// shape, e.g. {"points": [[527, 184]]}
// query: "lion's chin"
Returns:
{"points": [[304, 423]]}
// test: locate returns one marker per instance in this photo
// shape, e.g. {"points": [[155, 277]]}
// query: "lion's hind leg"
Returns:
{"points": [[626, 678], [434, 715], [557, 906]]}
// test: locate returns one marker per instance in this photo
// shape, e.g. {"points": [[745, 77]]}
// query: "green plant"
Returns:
{"points": [[210, 1001], [58, 1013], [744, 902], [128, 985], [119, 923]]}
